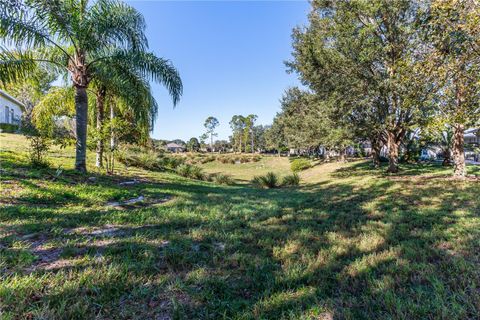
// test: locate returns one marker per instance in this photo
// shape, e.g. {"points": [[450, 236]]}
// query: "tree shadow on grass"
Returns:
{"points": [[383, 250]]}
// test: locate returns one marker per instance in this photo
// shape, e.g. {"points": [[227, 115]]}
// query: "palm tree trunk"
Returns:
{"points": [[211, 141], [81, 109], [252, 142], [112, 133], [100, 116], [459, 169]]}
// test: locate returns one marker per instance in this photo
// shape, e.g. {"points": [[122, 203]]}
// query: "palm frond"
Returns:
{"points": [[148, 66], [115, 23], [15, 65], [19, 27], [59, 17]]}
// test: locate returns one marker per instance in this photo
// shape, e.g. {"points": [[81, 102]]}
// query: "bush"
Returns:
{"points": [[39, 147], [238, 158], [270, 180], [221, 178], [171, 162], [197, 173], [184, 170], [191, 171], [207, 159], [300, 164], [383, 159], [291, 180], [8, 127], [139, 157]]}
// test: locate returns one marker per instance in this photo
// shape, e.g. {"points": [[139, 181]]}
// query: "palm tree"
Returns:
{"points": [[126, 76], [72, 37]]}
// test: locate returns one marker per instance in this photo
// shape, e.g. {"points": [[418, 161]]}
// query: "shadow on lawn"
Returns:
{"points": [[383, 250]]}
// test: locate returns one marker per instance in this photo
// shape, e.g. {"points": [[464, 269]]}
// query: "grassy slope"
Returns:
{"points": [[246, 171], [352, 243]]}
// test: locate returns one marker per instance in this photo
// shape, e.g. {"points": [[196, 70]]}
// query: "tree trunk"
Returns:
{"points": [[343, 152], [252, 143], [81, 110], [459, 169], [211, 142], [100, 117], [392, 153], [376, 148], [112, 133]]}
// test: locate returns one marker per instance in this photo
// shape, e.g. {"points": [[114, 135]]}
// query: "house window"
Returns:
{"points": [[7, 112], [12, 118]]}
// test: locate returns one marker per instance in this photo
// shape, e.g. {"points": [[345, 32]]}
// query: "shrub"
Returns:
{"points": [[190, 171], [147, 160], [291, 180], [39, 147], [8, 127], [223, 159], [256, 158], [300, 164], [139, 157], [197, 173], [184, 170], [171, 162], [270, 180], [244, 159], [383, 159], [221, 178], [207, 159]]}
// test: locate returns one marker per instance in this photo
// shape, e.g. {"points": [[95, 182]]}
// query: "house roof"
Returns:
{"points": [[174, 145], [471, 133], [9, 97]]}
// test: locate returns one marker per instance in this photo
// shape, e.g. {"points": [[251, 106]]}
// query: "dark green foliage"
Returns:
{"points": [[300, 164], [136, 156], [221, 178], [193, 145], [38, 150], [268, 181], [291, 180], [147, 158], [191, 171], [8, 127]]}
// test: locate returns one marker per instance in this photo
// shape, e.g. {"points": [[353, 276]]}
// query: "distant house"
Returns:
{"points": [[173, 147], [10, 109], [472, 136]]}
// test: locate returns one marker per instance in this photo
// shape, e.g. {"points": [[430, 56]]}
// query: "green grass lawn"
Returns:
{"points": [[350, 243]]}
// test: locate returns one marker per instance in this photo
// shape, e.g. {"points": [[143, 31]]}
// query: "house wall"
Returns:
{"points": [[472, 140], [10, 112]]}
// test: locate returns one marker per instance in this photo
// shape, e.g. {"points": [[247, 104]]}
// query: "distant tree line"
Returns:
{"points": [[384, 71]]}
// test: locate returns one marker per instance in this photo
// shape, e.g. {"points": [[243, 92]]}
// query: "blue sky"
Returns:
{"points": [[230, 55]]}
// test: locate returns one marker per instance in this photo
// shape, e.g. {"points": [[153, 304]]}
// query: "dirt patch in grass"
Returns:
{"points": [[38, 246], [52, 256]]}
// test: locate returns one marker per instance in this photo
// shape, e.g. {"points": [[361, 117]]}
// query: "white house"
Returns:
{"points": [[173, 147], [472, 136], [10, 109]]}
